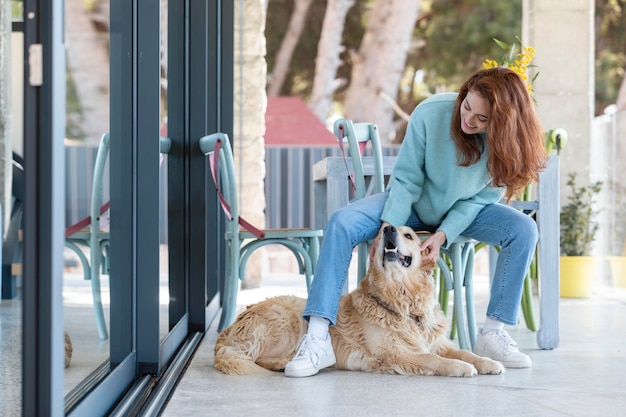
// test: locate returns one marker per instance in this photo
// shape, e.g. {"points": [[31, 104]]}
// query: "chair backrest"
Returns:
{"points": [[357, 135], [223, 171], [217, 148], [18, 178], [97, 208]]}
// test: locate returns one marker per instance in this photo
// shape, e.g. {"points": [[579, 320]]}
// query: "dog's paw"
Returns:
{"points": [[455, 367], [488, 366]]}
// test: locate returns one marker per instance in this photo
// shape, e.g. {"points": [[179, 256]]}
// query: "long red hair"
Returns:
{"points": [[515, 137]]}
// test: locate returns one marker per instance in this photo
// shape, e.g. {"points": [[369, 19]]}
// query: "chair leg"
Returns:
{"points": [[98, 309], [314, 251], [362, 261], [457, 267], [229, 294], [97, 298], [468, 256], [94, 277], [527, 304], [446, 285], [443, 291], [527, 294]]}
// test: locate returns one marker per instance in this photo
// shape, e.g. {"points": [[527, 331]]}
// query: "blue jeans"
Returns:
{"points": [[496, 224]]}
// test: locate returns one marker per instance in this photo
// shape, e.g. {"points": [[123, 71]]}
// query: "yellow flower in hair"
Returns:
{"points": [[489, 63], [519, 59]]}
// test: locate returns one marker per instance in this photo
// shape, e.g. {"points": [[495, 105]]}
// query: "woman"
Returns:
{"points": [[461, 153]]}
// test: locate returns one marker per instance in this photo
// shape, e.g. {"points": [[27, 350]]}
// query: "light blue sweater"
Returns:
{"points": [[427, 178]]}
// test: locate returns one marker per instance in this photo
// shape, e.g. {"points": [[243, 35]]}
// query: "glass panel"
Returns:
{"points": [[165, 297], [10, 281], [17, 11], [86, 295]]}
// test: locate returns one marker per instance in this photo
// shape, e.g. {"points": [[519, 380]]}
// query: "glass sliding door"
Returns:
{"points": [[122, 255], [11, 86], [86, 275], [44, 202], [166, 297]]}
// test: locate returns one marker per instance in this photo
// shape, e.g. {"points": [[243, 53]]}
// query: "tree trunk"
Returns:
{"points": [[250, 73], [88, 65], [327, 60], [379, 63], [283, 57]]}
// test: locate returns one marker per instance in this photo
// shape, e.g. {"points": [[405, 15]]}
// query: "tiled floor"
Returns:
{"points": [[89, 351], [583, 377]]}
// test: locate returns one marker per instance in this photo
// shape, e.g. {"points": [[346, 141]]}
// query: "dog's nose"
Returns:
{"points": [[389, 229]]}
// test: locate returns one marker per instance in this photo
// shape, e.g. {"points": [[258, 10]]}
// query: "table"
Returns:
{"points": [[331, 189]]}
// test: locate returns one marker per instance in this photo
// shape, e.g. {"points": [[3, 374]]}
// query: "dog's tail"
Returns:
{"points": [[232, 361]]}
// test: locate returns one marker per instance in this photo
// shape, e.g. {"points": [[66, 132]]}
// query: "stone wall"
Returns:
{"points": [[562, 32], [250, 74]]}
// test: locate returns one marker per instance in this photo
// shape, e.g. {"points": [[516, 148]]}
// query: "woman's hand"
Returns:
{"points": [[430, 247]]}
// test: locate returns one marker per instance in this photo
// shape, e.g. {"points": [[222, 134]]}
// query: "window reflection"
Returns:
{"points": [[86, 295], [12, 209], [165, 296]]}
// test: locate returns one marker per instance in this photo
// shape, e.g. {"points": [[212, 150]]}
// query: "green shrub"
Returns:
{"points": [[578, 218]]}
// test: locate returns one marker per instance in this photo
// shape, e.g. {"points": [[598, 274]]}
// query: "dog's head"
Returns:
{"points": [[397, 254]]}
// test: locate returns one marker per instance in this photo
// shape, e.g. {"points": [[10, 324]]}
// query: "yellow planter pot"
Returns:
{"points": [[577, 276], [618, 270]]}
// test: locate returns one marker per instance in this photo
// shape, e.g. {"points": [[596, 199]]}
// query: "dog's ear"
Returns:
{"points": [[428, 265]]}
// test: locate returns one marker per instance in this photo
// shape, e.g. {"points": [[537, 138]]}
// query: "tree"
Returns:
{"points": [[290, 40], [379, 63], [449, 40], [86, 32], [458, 35], [610, 70], [328, 57]]}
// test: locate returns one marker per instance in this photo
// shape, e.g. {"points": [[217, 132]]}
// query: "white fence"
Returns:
{"points": [[608, 163]]}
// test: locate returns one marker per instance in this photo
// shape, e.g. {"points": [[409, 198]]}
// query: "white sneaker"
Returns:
{"points": [[312, 355], [498, 345]]}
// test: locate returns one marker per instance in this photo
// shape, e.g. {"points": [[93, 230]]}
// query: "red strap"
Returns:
{"points": [[76, 227], [243, 223], [362, 146]]}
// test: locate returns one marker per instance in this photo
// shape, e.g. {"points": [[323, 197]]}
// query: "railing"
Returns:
{"points": [[288, 184]]}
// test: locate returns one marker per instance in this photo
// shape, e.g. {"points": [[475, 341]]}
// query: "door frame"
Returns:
{"points": [[200, 102]]}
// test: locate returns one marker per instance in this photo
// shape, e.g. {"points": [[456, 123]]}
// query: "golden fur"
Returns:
{"points": [[68, 349], [391, 323]]}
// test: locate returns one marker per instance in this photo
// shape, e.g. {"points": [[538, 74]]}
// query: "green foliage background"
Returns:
{"points": [[610, 51], [452, 38]]}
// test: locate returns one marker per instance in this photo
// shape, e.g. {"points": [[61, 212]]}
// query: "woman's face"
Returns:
{"points": [[475, 112]]}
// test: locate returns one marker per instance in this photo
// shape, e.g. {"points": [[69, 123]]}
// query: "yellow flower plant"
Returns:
{"points": [[518, 59]]}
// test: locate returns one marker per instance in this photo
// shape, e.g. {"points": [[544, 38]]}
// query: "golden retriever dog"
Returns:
{"points": [[391, 323]]}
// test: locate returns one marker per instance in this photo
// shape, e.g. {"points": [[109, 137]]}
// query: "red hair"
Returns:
{"points": [[515, 137]]}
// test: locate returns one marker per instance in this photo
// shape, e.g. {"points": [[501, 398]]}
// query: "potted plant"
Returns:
{"points": [[617, 260], [578, 231]]}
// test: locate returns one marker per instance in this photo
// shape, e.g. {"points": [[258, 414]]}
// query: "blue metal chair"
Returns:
{"points": [[12, 246], [456, 264], [88, 233], [92, 233], [242, 238], [357, 135]]}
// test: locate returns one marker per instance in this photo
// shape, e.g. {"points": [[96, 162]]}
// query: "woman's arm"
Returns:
{"points": [[408, 177], [463, 212]]}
